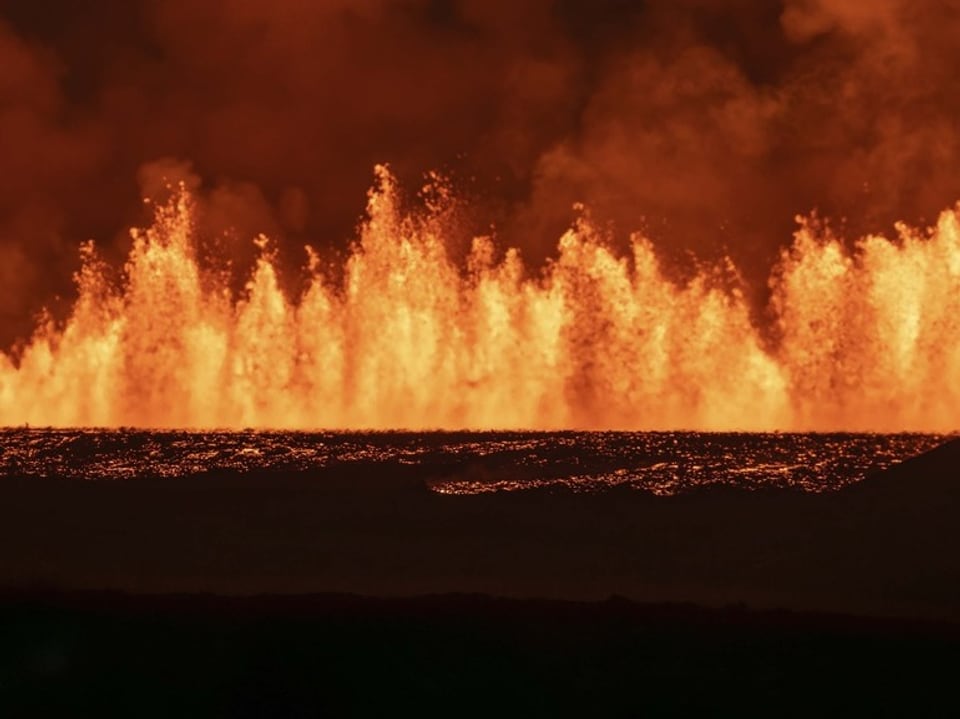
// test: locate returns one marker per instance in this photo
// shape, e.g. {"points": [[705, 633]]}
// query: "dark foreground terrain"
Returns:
{"points": [[886, 546], [110, 655], [808, 603]]}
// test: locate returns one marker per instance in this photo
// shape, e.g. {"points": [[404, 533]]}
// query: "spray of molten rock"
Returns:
{"points": [[867, 338]]}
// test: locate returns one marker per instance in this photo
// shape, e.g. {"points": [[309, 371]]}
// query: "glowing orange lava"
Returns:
{"points": [[867, 340]]}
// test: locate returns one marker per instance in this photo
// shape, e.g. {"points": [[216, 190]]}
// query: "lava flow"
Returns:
{"points": [[866, 339]]}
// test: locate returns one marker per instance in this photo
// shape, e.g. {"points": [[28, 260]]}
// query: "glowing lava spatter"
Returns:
{"points": [[868, 340]]}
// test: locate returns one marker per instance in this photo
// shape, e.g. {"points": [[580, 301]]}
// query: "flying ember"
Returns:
{"points": [[866, 339]]}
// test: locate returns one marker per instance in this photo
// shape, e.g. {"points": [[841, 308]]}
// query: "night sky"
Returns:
{"points": [[708, 124]]}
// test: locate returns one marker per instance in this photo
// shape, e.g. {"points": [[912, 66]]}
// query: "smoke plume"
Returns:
{"points": [[708, 125]]}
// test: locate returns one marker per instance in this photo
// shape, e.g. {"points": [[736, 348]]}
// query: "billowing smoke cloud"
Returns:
{"points": [[714, 139], [706, 124]]}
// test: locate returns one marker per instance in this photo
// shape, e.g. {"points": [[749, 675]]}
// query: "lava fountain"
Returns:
{"points": [[866, 338]]}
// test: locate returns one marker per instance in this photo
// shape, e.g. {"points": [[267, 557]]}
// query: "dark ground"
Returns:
{"points": [[101, 655], [869, 576]]}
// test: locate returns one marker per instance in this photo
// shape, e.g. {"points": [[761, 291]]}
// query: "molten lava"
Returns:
{"points": [[867, 339]]}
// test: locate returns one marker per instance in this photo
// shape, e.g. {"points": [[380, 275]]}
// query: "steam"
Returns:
{"points": [[707, 125]]}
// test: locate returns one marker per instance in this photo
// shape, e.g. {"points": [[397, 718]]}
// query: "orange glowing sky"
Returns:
{"points": [[703, 127]]}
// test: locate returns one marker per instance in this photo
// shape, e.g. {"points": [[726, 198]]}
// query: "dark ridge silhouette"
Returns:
{"points": [[937, 471]]}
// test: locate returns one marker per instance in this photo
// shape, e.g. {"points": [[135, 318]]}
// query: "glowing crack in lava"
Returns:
{"points": [[867, 339]]}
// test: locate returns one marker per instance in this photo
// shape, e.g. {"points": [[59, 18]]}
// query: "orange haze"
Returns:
{"points": [[705, 124]]}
